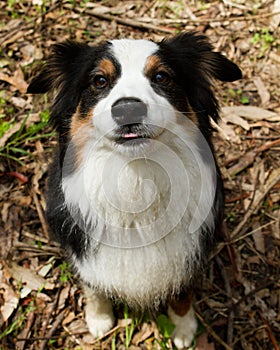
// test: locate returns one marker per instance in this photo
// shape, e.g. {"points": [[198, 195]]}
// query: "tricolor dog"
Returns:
{"points": [[134, 193]]}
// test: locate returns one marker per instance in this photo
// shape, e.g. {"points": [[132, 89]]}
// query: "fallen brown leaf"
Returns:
{"points": [[203, 344], [251, 112], [17, 80]]}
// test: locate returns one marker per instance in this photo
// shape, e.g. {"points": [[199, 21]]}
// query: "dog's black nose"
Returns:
{"points": [[129, 111]]}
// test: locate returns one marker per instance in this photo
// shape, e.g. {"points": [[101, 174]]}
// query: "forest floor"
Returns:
{"points": [[238, 300]]}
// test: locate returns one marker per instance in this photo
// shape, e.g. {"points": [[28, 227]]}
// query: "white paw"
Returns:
{"points": [[185, 328], [99, 325], [98, 315]]}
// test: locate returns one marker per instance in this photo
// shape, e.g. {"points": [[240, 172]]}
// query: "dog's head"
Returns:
{"points": [[129, 91]]}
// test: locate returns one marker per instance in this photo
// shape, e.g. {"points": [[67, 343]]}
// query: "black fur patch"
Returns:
{"points": [[195, 65]]}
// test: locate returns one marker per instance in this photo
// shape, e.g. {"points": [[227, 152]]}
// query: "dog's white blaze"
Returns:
{"points": [[132, 56]]}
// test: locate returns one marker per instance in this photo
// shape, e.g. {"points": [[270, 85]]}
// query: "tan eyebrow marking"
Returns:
{"points": [[107, 67], [154, 64]]}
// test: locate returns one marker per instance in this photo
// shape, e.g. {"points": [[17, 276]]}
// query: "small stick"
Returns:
{"points": [[54, 306], [219, 19], [272, 180], [129, 22], [40, 213], [212, 332], [20, 344], [56, 323], [269, 331], [229, 295]]}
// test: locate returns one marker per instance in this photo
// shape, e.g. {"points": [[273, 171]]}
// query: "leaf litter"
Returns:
{"points": [[238, 298]]}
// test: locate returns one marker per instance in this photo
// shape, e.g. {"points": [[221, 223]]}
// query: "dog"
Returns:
{"points": [[135, 195]]}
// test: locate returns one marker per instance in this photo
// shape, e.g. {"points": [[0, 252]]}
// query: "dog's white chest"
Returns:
{"points": [[141, 220]]}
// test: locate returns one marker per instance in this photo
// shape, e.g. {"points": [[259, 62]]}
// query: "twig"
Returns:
{"points": [[42, 249], [269, 331], [211, 331], [273, 178], [56, 323], [111, 331], [229, 295], [256, 290], [138, 23], [252, 331], [243, 163], [268, 145], [54, 306], [210, 20], [128, 22], [72, 335], [249, 157], [39, 238], [251, 232], [40, 213], [20, 344], [189, 11], [237, 198]]}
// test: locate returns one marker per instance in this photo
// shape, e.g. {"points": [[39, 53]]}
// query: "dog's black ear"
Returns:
{"points": [[195, 64], [218, 66], [65, 63], [194, 50], [65, 71]]}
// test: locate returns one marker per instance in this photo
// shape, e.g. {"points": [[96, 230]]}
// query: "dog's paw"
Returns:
{"points": [[185, 328], [99, 315], [99, 325]]}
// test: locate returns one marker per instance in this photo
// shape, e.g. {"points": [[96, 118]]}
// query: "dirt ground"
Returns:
{"points": [[238, 299]]}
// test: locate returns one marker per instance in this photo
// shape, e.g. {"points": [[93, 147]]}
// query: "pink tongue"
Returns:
{"points": [[128, 136]]}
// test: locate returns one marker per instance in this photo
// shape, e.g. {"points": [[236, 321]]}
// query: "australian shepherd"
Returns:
{"points": [[134, 193]]}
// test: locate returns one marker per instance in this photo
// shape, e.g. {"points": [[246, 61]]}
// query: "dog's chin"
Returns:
{"points": [[136, 143], [134, 146]]}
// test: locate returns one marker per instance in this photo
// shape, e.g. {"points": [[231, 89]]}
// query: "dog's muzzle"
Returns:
{"points": [[131, 116], [126, 111]]}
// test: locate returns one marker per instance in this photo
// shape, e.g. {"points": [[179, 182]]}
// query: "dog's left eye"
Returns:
{"points": [[162, 78], [100, 81]]}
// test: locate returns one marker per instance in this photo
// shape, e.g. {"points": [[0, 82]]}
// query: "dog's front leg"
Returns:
{"points": [[181, 313], [98, 313]]}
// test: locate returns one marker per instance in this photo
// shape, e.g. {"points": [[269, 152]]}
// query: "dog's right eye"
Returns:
{"points": [[100, 81], [162, 78]]}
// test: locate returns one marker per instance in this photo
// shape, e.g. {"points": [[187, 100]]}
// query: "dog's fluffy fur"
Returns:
{"points": [[135, 195]]}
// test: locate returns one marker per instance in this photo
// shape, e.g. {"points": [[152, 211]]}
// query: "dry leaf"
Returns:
{"points": [[262, 90], [237, 120], [276, 225], [10, 301], [69, 318], [19, 102], [17, 80], [203, 344], [63, 296], [244, 161], [275, 20], [145, 332], [28, 277], [226, 131], [251, 112], [258, 238]]}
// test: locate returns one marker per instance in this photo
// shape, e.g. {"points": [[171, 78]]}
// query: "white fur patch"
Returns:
{"points": [[185, 328], [98, 314], [139, 214]]}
